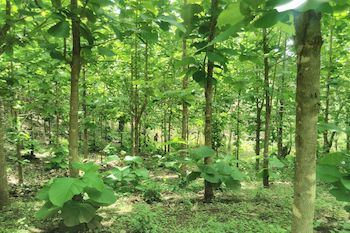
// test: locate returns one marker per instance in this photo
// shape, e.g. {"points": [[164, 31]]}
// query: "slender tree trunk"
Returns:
{"points": [[238, 133], [18, 147], [308, 45], [74, 95], [281, 104], [208, 134], [266, 50], [4, 191], [85, 133], [259, 107], [326, 141], [185, 116]]}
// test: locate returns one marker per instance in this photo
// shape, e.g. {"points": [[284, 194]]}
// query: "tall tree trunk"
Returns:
{"points": [[86, 132], [185, 116], [4, 191], [208, 134], [18, 147], [5, 28], [169, 128], [259, 107], [266, 50], [281, 104], [327, 143], [74, 95], [308, 45], [237, 126]]}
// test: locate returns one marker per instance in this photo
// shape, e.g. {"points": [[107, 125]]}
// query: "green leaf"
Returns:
{"points": [[333, 159], [64, 189], [212, 178], [216, 57], [43, 194], [341, 194], [209, 169], [200, 76], [226, 34], [172, 20], [86, 167], [61, 29], [57, 55], [276, 163], [329, 174], [231, 15], [201, 152], [74, 213], [193, 176], [346, 182], [47, 210], [133, 159], [105, 52], [141, 172], [231, 183], [56, 4], [104, 197], [268, 19], [93, 180]]}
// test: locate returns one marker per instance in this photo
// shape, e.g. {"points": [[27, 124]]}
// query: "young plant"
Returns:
{"points": [[221, 171], [334, 169], [76, 200]]}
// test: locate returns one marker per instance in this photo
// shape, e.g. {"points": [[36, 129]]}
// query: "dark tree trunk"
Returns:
{"points": [[74, 95], [208, 134]]}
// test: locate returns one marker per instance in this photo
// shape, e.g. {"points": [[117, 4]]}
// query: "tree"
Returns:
{"points": [[74, 93], [308, 44]]}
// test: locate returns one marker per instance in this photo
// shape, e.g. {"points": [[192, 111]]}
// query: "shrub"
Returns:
{"points": [[76, 200]]}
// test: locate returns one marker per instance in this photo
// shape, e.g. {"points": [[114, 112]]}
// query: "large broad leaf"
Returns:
{"points": [[231, 183], [61, 29], [341, 194], [212, 178], [48, 210], [104, 197], [346, 182], [200, 76], [172, 20], [231, 15], [133, 159], [93, 180], [202, 152], [329, 174], [104, 51], [269, 19], [276, 163], [64, 189], [192, 176], [333, 159], [141, 172], [75, 213], [86, 167]]}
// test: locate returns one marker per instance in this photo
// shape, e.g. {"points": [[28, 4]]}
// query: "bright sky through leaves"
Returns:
{"points": [[290, 5]]}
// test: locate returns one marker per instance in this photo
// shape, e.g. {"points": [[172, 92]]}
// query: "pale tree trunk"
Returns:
{"points": [[4, 191], [308, 44], [238, 133], [74, 95], [208, 134], [185, 116], [266, 50]]}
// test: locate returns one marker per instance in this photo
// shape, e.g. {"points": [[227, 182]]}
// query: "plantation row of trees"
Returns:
{"points": [[159, 77]]}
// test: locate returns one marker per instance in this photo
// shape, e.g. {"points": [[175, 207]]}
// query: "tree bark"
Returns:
{"points": [[308, 45], [266, 51], [74, 95], [327, 143], [18, 147], [281, 104], [4, 191], [208, 134], [86, 132], [238, 133]]}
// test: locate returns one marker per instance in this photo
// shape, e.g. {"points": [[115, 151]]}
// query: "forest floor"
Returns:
{"points": [[250, 209]]}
